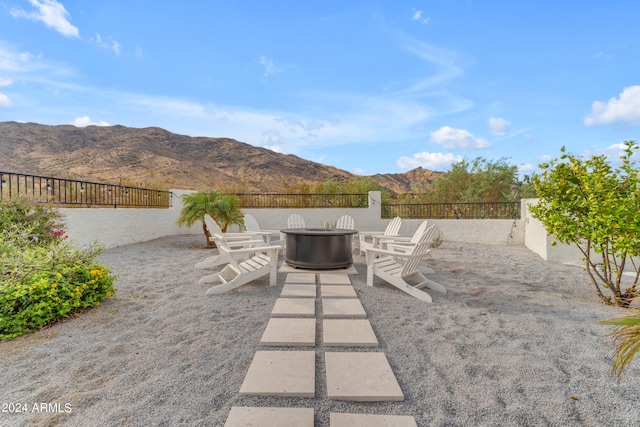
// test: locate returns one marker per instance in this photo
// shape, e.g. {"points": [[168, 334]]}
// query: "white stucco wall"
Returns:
{"points": [[122, 226], [116, 227], [538, 240]]}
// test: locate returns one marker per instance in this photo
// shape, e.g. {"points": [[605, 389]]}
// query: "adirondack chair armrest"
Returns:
{"points": [[381, 237], [370, 254], [242, 243], [371, 233], [246, 235], [256, 250], [395, 239]]}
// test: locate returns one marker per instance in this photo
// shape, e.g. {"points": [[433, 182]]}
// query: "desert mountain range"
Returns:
{"points": [[154, 157]]}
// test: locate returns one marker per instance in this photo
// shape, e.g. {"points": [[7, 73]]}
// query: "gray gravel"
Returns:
{"points": [[513, 343]]}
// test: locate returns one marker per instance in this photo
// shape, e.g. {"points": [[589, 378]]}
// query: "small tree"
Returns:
{"points": [[223, 208], [596, 207], [479, 181]]}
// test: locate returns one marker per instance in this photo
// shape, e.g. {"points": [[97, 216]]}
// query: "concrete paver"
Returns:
{"points": [[362, 377], [342, 307], [281, 373], [289, 332], [348, 333], [298, 307], [301, 278], [241, 416], [337, 292], [334, 279], [299, 291]]}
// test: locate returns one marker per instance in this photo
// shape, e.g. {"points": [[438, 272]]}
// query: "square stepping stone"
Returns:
{"points": [[281, 373], [285, 331], [370, 420], [301, 278], [334, 279], [240, 416], [361, 377], [342, 307], [294, 307], [298, 291], [348, 333], [337, 292]]}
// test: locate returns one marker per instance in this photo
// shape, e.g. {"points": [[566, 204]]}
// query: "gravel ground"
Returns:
{"points": [[514, 342]]}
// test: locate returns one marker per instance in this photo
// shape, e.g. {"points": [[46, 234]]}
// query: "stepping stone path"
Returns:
{"points": [[353, 376]]}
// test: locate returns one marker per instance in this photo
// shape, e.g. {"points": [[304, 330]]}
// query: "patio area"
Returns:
{"points": [[513, 342]]}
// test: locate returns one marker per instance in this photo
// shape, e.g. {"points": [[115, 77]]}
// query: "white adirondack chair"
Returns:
{"points": [[263, 260], [234, 240], [401, 269], [346, 222], [392, 230], [402, 243], [252, 227], [295, 221]]}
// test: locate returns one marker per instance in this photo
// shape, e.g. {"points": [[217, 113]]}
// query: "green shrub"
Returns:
{"points": [[43, 278]]}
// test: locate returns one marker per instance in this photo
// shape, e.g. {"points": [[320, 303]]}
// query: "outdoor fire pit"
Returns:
{"points": [[318, 248]]}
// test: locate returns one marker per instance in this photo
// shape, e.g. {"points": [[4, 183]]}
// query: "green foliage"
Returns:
{"points": [[44, 222], [595, 206], [223, 208], [43, 278], [479, 181], [360, 185], [626, 336]]}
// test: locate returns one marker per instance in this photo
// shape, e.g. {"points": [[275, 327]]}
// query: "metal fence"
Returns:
{"points": [[303, 200], [73, 193], [481, 210]]}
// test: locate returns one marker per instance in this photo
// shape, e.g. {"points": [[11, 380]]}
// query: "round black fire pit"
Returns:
{"points": [[318, 248]]}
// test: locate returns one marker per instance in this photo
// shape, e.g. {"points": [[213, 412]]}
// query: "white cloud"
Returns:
{"points": [[269, 66], [86, 121], [498, 126], [108, 44], [5, 81], [4, 100], [51, 13], [625, 109], [418, 16], [431, 161], [601, 55], [457, 139]]}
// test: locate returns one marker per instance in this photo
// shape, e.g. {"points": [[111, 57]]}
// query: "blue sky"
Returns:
{"points": [[366, 86]]}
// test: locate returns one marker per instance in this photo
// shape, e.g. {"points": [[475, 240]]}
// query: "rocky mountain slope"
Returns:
{"points": [[158, 158]]}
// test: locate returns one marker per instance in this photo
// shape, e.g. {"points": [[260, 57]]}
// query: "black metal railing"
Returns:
{"points": [[303, 200], [480, 210], [74, 193]]}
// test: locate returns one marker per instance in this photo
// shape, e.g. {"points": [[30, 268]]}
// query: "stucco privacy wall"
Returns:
{"points": [[539, 241], [122, 226], [116, 227]]}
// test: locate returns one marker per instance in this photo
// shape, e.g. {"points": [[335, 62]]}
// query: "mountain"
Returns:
{"points": [[156, 157]]}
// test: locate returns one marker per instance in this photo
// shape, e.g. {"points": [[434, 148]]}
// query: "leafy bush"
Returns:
{"points": [[595, 206], [43, 278]]}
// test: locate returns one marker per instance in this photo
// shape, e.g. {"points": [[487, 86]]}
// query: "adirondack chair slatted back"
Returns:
{"points": [[419, 232], [212, 226], [295, 221], [346, 222], [250, 223], [393, 227], [421, 248]]}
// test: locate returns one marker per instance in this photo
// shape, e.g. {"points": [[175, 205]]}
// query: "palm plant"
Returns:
{"points": [[223, 208], [627, 339]]}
